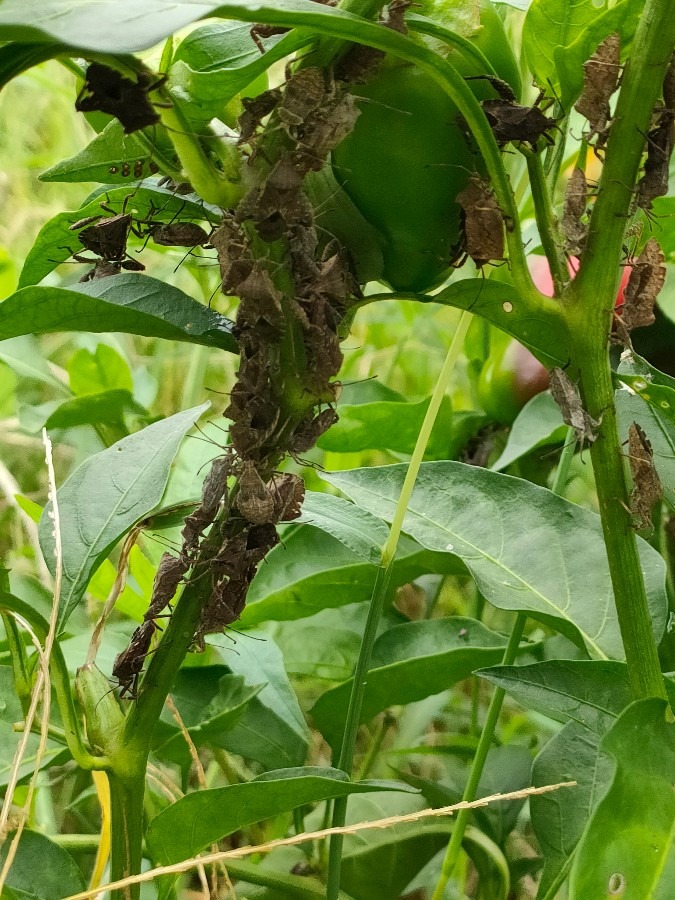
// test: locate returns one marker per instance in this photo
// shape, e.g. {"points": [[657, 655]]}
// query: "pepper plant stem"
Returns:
{"points": [[590, 300], [380, 589], [546, 222], [494, 710], [126, 829]]}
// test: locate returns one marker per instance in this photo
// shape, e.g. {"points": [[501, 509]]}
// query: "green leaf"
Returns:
{"points": [[10, 713], [22, 354], [543, 331], [559, 818], [199, 819], [654, 387], [104, 408], [15, 58], [631, 407], [324, 646], [103, 370], [506, 769], [360, 532], [106, 29], [379, 863], [588, 696], [569, 59], [218, 61], [105, 159], [56, 242], [105, 496], [589, 692], [311, 570], [627, 849], [132, 304], [389, 426], [527, 549], [41, 870], [410, 662], [539, 424], [550, 24], [664, 208], [210, 702], [272, 730]]}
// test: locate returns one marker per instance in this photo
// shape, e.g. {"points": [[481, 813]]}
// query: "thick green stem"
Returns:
{"points": [[126, 829], [591, 301], [617, 524], [220, 187], [595, 285], [547, 222], [380, 588]]}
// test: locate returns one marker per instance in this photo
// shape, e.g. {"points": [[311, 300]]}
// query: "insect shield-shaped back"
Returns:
{"points": [[647, 488], [574, 212], [107, 237], [108, 91], [483, 222], [601, 79], [128, 664], [511, 122], [566, 395], [178, 234], [647, 278]]}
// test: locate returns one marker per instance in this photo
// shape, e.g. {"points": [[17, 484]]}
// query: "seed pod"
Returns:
{"points": [[102, 712]]}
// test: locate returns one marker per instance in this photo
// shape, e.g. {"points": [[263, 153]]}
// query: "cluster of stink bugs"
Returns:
{"points": [[106, 236]]}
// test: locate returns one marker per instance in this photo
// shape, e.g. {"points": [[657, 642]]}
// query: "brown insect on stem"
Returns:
{"points": [[521, 124], [655, 180], [647, 277], [601, 79], [107, 90], [128, 664], [170, 572], [483, 222], [566, 395], [647, 488], [574, 210], [255, 501]]}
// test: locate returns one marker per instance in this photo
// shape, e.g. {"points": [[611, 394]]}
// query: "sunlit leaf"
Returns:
{"points": [[386, 425], [105, 496], [360, 532], [528, 549], [56, 242], [410, 662], [201, 818], [310, 570], [133, 304]]}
